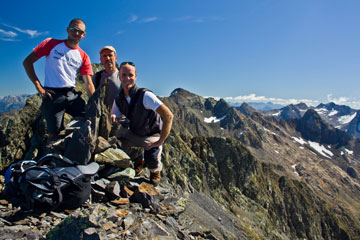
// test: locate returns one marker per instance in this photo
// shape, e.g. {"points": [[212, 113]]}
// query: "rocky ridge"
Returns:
{"points": [[239, 176]]}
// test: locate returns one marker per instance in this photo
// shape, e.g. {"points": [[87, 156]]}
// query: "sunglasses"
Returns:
{"points": [[130, 63], [74, 29]]}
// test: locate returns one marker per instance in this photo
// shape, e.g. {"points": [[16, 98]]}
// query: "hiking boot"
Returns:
{"points": [[139, 166], [155, 178]]}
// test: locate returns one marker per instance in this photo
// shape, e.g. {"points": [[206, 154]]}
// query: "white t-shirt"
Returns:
{"points": [[62, 63], [150, 102]]}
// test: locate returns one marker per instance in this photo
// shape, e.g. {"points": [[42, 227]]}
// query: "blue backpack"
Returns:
{"points": [[52, 183]]}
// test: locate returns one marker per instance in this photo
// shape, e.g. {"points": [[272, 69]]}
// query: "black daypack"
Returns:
{"points": [[52, 183]]}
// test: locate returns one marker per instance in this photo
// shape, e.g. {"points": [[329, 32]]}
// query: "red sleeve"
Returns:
{"points": [[85, 68], [44, 48]]}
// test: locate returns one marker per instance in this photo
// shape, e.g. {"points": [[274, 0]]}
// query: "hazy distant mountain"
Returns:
{"points": [[13, 102], [261, 106], [339, 116]]}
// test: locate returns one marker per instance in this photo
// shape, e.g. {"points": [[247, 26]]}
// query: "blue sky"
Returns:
{"points": [[284, 51]]}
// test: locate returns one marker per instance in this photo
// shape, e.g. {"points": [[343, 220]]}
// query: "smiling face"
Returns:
{"points": [[76, 31], [127, 77], [108, 59]]}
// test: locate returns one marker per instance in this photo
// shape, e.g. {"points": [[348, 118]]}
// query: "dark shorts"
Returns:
{"points": [[152, 156], [65, 100]]}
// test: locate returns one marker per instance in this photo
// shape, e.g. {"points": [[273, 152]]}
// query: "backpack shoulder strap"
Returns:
{"points": [[97, 79], [47, 159]]}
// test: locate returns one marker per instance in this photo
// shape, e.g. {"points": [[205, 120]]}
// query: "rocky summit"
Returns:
{"points": [[229, 173]]}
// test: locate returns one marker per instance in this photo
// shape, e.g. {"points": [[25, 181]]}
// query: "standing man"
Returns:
{"points": [[108, 59], [63, 60], [150, 119]]}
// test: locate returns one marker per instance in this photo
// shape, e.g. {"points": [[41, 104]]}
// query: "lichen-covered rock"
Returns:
{"points": [[113, 157]]}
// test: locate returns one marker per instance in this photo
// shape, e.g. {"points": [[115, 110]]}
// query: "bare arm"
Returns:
{"points": [[89, 84], [167, 118], [30, 71]]}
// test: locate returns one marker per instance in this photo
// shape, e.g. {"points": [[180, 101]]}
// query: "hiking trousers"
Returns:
{"points": [[152, 156]]}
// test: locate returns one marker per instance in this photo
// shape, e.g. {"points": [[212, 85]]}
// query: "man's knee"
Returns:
{"points": [[77, 105], [153, 157], [54, 120]]}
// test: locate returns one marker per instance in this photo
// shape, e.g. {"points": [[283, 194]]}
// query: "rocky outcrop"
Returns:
{"points": [[239, 177], [246, 109], [226, 170], [21, 133], [313, 128], [353, 129]]}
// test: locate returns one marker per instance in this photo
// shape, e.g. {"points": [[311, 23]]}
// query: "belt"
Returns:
{"points": [[66, 89]]}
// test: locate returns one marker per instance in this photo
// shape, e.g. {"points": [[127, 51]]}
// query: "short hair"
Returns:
{"points": [[77, 20], [127, 63]]}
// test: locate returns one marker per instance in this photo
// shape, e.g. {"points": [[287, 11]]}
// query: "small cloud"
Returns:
{"points": [[253, 98], [9, 39], [7, 33], [132, 18], [199, 19], [120, 32], [31, 33], [339, 101], [184, 18], [151, 19], [344, 101]]}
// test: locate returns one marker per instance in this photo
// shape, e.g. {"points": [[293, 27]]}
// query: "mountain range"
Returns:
{"points": [[291, 173], [13, 102], [341, 117]]}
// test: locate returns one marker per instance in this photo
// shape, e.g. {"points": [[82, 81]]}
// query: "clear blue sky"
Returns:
{"points": [[278, 50]]}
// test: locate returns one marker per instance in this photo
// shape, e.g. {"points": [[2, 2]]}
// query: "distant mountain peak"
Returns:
{"points": [[246, 109]]}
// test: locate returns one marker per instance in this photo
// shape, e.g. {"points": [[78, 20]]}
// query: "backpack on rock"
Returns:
{"points": [[51, 183]]}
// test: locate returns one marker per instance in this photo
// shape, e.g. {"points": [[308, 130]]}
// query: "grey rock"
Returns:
{"points": [[101, 183], [101, 145], [113, 189], [129, 221], [113, 157], [148, 196], [127, 173]]}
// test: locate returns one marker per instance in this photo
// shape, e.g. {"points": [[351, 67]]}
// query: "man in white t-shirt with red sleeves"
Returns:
{"points": [[64, 58]]}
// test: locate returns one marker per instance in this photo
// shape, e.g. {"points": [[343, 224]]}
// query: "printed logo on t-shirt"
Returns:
{"points": [[70, 61]]}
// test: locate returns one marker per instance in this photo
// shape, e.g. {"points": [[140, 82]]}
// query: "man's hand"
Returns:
{"points": [[44, 93], [150, 145], [113, 118]]}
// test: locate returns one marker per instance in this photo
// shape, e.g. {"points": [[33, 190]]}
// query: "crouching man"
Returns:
{"points": [[150, 120]]}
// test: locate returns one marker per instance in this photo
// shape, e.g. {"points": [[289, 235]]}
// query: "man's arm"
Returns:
{"points": [[89, 84], [30, 71], [167, 118]]}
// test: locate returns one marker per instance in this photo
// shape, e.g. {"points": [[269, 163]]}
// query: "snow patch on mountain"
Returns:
{"points": [[321, 149], [347, 118], [333, 112], [276, 114], [294, 167], [267, 130], [213, 119], [321, 110], [350, 152], [299, 140]]}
